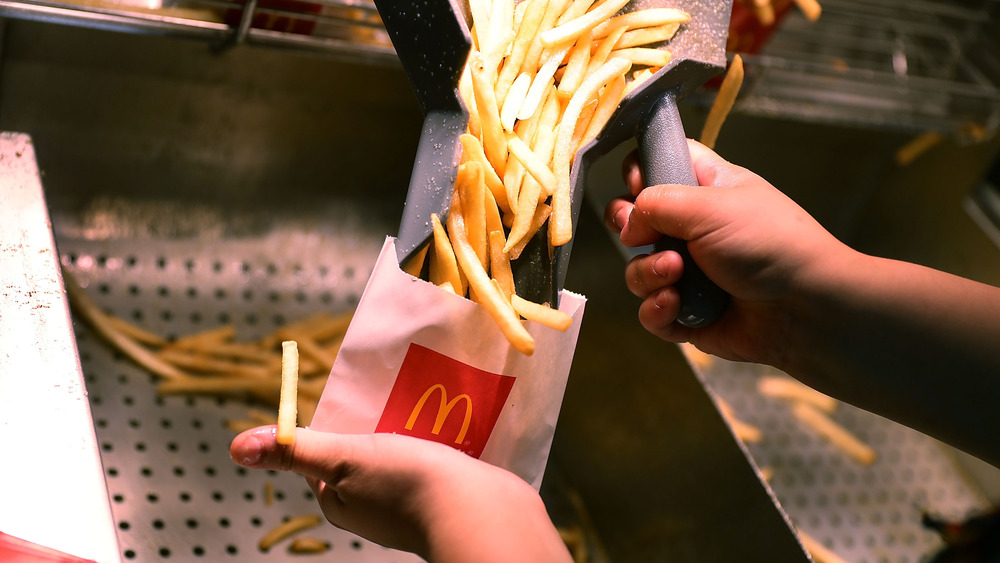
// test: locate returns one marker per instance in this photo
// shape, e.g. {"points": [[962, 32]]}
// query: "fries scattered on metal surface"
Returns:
{"points": [[213, 362]]}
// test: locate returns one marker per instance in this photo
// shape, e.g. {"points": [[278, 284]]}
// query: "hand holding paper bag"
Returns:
{"points": [[413, 494]]}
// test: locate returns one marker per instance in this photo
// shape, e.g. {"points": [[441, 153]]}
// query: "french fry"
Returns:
{"points": [[647, 35], [287, 529], [819, 552], [526, 30], [472, 150], [205, 339], [836, 434], [651, 17], [576, 68], [497, 306], [534, 164], [494, 140], [330, 327], [764, 12], [308, 545], [416, 262], [444, 265], [553, 10], [135, 333], [604, 48], [514, 99], [578, 26], [541, 314], [265, 389], [542, 214], [469, 98], [500, 264], [698, 359], [919, 145], [288, 405], [97, 320], [470, 185], [811, 9], [606, 106], [638, 78], [723, 102], [541, 83], [781, 387], [269, 494], [195, 362], [576, 9], [561, 226], [643, 56], [743, 430]]}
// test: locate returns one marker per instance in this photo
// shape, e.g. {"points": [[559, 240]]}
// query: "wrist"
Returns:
{"points": [[819, 298]]}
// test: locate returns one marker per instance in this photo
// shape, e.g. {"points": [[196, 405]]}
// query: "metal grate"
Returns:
{"points": [[914, 66], [175, 493], [866, 514]]}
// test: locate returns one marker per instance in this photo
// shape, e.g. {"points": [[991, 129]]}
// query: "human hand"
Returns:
{"points": [[412, 494], [749, 238]]}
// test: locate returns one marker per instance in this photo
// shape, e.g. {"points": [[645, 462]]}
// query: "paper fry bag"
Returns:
{"points": [[421, 361]]}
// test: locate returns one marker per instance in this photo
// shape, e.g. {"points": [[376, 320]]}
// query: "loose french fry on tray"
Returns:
{"points": [[288, 529], [782, 387], [542, 80], [837, 434]]}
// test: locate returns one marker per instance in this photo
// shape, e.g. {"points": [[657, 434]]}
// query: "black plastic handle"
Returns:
{"points": [[664, 158]]}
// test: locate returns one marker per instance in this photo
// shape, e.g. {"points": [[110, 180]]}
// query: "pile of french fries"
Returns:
{"points": [[213, 362], [541, 81]]}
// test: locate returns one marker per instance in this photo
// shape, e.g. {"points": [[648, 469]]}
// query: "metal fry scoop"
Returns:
{"points": [[432, 41]]}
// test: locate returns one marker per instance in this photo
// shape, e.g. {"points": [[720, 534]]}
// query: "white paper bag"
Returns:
{"points": [[421, 361]]}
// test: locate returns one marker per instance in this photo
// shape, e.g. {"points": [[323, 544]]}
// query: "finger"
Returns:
{"points": [[632, 173], [318, 455], [713, 170], [651, 272], [682, 212], [616, 214], [658, 313]]}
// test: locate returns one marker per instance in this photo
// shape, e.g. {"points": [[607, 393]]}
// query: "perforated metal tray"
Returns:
{"points": [[175, 493], [865, 514]]}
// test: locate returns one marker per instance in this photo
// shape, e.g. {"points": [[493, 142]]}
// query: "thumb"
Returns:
{"points": [[317, 455]]}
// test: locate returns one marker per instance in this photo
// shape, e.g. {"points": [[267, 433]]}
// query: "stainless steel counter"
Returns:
{"points": [[53, 491]]}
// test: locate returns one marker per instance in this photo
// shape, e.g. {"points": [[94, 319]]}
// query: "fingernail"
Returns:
{"points": [[660, 301], [661, 266], [250, 451], [621, 218]]}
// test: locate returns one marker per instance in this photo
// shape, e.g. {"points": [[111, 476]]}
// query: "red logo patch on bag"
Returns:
{"points": [[440, 399]]}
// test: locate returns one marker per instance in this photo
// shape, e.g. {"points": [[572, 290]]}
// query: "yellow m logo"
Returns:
{"points": [[444, 409]]}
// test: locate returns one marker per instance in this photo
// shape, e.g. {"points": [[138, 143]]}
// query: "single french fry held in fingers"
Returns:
{"points": [[288, 401]]}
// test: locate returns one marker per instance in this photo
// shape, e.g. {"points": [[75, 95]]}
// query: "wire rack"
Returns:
{"points": [[349, 29], [906, 65], [923, 65]]}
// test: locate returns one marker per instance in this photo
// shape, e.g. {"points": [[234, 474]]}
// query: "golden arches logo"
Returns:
{"points": [[444, 409]]}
